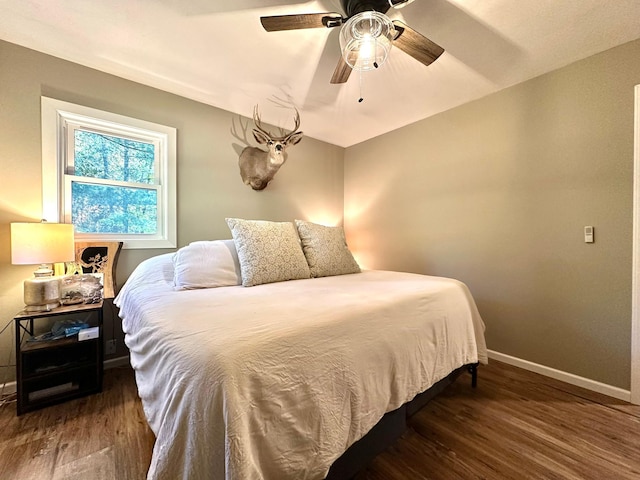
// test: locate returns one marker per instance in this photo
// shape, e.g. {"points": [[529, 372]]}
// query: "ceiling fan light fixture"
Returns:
{"points": [[366, 39]]}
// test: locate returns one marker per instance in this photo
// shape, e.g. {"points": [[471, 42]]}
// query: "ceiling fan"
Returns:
{"points": [[366, 34]]}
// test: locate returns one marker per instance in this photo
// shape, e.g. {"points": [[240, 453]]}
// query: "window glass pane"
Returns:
{"points": [[109, 209], [114, 158]]}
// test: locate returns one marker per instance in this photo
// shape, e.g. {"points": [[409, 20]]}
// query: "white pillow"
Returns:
{"points": [[326, 250], [206, 264], [268, 251]]}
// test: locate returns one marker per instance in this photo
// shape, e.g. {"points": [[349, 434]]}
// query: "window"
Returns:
{"points": [[112, 176]]}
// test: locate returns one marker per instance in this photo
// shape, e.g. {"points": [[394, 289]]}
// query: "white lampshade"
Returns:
{"points": [[36, 243], [41, 243]]}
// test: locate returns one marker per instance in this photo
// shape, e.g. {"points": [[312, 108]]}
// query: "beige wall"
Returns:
{"points": [[496, 193], [309, 185]]}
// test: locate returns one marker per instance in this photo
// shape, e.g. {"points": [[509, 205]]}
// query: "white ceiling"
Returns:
{"points": [[217, 52]]}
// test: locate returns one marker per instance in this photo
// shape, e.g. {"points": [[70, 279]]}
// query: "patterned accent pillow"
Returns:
{"points": [[268, 251], [326, 250]]}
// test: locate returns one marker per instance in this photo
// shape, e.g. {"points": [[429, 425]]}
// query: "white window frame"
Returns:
{"points": [[59, 122]]}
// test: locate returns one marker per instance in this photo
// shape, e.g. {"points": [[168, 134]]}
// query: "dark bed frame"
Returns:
{"points": [[390, 427]]}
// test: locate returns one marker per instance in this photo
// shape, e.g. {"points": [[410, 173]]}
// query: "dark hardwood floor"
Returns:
{"points": [[99, 437], [515, 425]]}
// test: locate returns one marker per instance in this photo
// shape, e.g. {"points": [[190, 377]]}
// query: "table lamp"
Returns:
{"points": [[41, 243]]}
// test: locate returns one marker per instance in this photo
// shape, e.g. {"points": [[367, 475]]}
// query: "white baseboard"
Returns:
{"points": [[8, 388], [615, 392], [570, 378], [116, 362]]}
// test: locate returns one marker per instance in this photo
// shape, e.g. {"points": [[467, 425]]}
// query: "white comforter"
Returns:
{"points": [[276, 381]]}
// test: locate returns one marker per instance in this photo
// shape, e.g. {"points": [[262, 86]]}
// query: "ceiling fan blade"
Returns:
{"points": [[416, 44], [306, 20], [342, 72]]}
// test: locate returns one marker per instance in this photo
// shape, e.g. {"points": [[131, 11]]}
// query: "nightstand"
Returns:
{"points": [[53, 371]]}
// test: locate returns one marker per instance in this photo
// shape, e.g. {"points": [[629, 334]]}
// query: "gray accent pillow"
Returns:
{"points": [[326, 250], [268, 251]]}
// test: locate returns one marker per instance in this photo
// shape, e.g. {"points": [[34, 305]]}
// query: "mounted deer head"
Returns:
{"points": [[258, 167]]}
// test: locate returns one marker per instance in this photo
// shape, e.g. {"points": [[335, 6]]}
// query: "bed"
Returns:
{"points": [[278, 380]]}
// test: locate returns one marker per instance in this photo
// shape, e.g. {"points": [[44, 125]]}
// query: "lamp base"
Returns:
{"points": [[41, 308], [41, 294]]}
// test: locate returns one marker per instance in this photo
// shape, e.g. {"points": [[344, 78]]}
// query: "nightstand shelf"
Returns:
{"points": [[54, 371]]}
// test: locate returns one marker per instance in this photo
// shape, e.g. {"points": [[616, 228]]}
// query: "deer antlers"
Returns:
{"points": [[285, 137]]}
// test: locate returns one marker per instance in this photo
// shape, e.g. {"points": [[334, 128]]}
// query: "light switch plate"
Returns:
{"points": [[588, 234]]}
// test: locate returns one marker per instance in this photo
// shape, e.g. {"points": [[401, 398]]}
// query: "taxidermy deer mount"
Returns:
{"points": [[258, 167]]}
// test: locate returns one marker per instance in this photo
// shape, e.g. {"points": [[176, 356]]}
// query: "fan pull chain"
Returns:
{"points": [[375, 52], [360, 84]]}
